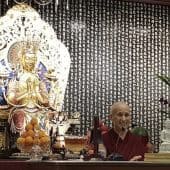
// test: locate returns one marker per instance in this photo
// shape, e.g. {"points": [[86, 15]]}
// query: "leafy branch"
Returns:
{"points": [[165, 79]]}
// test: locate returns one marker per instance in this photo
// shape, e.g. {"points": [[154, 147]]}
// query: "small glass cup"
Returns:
{"points": [[36, 153]]}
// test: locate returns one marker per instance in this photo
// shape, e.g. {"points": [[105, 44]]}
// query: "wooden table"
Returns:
{"points": [[80, 165]]}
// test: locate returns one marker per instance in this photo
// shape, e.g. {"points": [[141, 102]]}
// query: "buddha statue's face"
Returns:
{"points": [[29, 61]]}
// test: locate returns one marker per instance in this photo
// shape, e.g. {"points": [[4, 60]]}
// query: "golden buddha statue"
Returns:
{"points": [[26, 93]]}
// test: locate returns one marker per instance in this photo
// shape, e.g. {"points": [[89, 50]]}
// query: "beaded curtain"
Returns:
{"points": [[117, 49]]}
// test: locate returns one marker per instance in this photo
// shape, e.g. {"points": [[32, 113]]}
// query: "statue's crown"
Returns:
{"points": [[30, 46]]}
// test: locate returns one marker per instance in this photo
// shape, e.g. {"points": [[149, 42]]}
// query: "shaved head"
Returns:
{"points": [[120, 116], [119, 107]]}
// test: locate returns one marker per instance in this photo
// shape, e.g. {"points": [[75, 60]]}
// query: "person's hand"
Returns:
{"points": [[136, 158]]}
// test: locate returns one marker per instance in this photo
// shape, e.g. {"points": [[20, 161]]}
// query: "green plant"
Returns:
{"points": [[165, 79]]}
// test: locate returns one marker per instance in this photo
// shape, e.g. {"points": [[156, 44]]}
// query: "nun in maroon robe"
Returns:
{"points": [[119, 140], [129, 147]]}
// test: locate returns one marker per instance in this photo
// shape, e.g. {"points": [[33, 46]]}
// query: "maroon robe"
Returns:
{"points": [[131, 146]]}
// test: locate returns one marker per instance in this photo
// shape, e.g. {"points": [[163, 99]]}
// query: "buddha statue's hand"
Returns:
{"points": [[41, 93], [29, 85], [42, 87]]}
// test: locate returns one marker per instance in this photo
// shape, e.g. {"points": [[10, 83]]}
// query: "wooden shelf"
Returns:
{"points": [[80, 165]]}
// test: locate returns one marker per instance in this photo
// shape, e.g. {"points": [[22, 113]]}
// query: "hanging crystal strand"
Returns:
{"points": [[79, 17], [81, 20], [29, 2], [40, 10], [56, 5], [43, 13], [7, 2], [67, 5]]}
